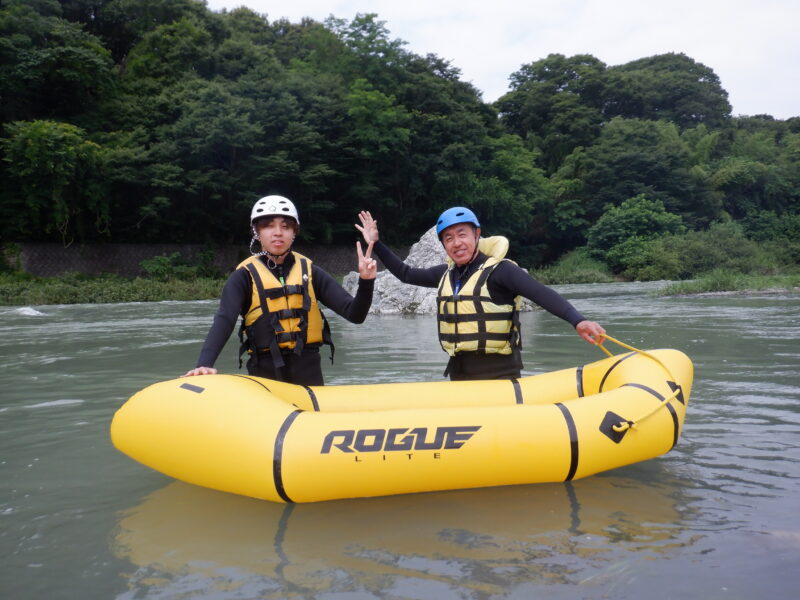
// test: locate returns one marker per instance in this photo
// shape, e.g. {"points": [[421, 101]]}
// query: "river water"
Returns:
{"points": [[717, 517]]}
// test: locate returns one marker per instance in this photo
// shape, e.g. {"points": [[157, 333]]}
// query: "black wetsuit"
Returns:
{"points": [[506, 282], [303, 368]]}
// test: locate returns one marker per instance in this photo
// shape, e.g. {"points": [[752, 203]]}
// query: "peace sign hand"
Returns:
{"points": [[367, 267]]}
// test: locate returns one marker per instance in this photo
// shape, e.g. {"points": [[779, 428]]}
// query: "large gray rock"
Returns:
{"points": [[393, 297]]}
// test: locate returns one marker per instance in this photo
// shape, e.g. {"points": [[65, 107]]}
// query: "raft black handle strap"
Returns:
{"points": [[624, 425]]}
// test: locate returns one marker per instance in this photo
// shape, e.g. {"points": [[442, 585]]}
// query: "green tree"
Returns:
{"points": [[122, 24], [722, 247], [171, 51], [703, 144], [670, 87], [247, 47], [556, 104], [380, 126], [380, 138], [49, 67], [633, 157], [510, 192], [636, 219], [53, 183], [760, 169], [373, 55]]}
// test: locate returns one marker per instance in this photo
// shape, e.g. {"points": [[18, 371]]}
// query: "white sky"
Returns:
{"points": [[752, 45]]}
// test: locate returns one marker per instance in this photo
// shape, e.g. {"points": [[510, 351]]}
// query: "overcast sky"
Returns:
{"points": [[752, 45]]}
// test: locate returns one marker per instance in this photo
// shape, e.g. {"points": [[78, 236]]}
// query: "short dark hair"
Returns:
{"points": [[266, 220]]}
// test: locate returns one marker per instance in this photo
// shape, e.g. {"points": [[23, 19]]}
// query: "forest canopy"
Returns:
{"points": [[160, 120]]}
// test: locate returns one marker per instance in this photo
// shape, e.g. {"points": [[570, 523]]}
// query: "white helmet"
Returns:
{"points": [[270, 206]]}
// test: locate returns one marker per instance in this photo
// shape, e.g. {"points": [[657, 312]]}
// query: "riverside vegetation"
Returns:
{"points": [[160, 121], [708, 264], [164, 278]]}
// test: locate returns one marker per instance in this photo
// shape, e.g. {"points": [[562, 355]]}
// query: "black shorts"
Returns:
{"points": [[471, 366], [302, 369]]}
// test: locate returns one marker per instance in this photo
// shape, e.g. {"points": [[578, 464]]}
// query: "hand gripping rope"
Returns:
{"points": [[623, 426]]}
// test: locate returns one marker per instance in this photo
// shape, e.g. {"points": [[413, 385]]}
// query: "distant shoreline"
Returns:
{"points": [[18, 289], [764, 292], [725, 283]]}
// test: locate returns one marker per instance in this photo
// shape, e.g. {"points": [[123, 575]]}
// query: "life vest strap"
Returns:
{"points": [[466, 317], [462, 297], [475, 337], [288, 336], [280, 292], [300, 341], [288, 313]]}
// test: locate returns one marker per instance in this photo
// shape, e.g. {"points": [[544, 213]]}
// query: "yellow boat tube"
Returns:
{"points": [[288, 443]]}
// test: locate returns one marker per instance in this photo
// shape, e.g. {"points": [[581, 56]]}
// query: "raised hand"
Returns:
{"points": [[367, 267], [368, 227]]}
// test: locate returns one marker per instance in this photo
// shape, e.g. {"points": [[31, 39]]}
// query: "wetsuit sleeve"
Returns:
{"points": [[429, 277], [509, 281], [235, 300], [335, 297]]}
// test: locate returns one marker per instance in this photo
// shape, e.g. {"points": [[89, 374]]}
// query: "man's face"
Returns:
{"points": [[275, 234], [460, 241]]}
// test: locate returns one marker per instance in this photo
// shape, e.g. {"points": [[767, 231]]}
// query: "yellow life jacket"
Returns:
{"points": [[469, 321], [282, 316]]}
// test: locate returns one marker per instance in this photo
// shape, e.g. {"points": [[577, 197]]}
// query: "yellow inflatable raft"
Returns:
{"points": [[290, 443]]}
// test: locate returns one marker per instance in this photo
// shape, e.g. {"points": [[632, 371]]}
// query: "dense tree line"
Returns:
{"points": [[160, 120]]}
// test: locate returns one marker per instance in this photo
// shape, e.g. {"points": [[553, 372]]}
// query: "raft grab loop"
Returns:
{"points": [[623, 425]]}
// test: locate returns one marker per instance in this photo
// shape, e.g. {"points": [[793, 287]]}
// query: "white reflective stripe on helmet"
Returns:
{"points": [[270, 206]]}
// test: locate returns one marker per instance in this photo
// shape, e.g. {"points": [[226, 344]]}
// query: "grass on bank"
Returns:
{"points": [[170, 277], [720, 280], [18, 289], [574, 267]]}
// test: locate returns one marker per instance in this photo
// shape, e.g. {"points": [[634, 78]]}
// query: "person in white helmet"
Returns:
{"points": [[277, 292], [477, 301]]}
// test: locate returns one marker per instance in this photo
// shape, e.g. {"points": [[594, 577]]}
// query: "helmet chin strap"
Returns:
{"points": [[269, 254], [469, 262], [477, 251], [272, 259]]}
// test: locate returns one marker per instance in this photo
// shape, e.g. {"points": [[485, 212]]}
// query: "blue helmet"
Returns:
{"points": [[453, 216]]}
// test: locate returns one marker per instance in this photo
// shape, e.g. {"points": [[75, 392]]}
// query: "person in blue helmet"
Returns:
{"points": [[478, 297]]}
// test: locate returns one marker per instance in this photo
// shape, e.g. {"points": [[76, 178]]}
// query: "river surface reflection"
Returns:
{"points": [[716, 517]]}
